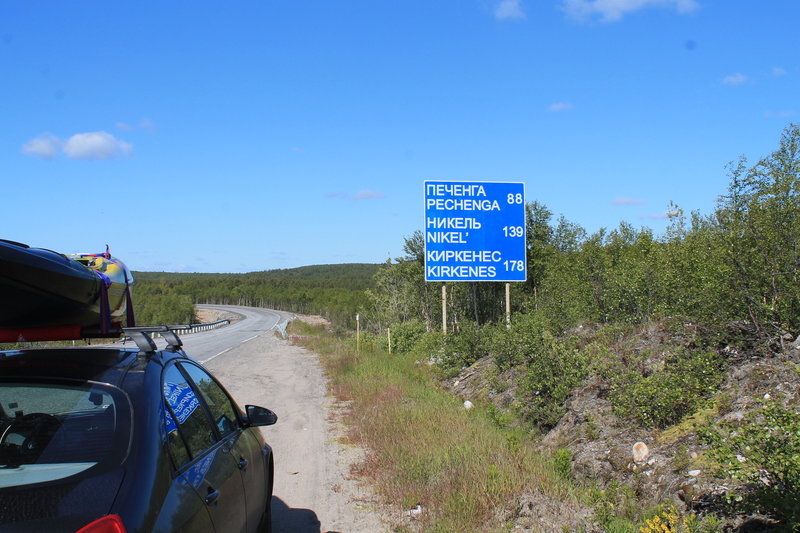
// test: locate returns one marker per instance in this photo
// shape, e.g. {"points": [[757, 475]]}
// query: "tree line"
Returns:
{"points": [[739, 263], [336, 292]]}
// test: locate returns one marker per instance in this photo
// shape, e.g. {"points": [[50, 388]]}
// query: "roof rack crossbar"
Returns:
{"points": [[142, 340], [174, 342]]}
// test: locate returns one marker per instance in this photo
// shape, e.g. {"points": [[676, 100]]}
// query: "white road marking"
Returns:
{"points": [[251, 338], [213, 356]]}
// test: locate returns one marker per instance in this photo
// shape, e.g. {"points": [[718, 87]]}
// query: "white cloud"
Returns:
{"points": [[613, 10], [783, 113], [778, 71], [735, 79], [96, 145], [144, 124], [93, 145], [509, 9], [559, 106], [625, 200], [45, 146], [147, 124], [368, 195], [364, 194]]}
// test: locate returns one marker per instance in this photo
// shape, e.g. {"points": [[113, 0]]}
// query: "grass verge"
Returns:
{"points": [[423, 448]]}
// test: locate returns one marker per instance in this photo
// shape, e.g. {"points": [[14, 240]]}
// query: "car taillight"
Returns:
{"points": [[108, 524]]}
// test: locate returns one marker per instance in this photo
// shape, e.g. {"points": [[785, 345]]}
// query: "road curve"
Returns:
{"points": [[207, 345]]}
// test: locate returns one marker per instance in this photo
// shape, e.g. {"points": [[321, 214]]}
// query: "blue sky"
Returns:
{"points": [[241, 136]]}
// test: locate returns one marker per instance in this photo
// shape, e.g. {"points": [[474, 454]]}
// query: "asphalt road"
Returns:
{"points": [[314, 491], [252, 322]]}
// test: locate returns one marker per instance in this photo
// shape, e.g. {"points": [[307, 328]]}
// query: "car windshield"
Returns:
{"points": [[53, 430]]}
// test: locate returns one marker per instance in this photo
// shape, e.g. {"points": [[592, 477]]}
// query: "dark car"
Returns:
{"points": [[102, 440]]}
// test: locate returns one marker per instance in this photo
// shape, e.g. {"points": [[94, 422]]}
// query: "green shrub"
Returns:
{"points": [[668, 519], [562, 461], [551, 367], [405, 335], [550, 377], [429, 345], [369, 341], [500, 418], [521, 342], [615, 507], [762, 452], [465, 347], [665, 397]]}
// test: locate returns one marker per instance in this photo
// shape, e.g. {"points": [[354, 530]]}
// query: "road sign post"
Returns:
{"points": [[474, 231], [444, 308], [358, 334]]}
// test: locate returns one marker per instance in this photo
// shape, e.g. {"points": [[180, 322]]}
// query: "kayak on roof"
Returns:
{"points": [[45, 295]]}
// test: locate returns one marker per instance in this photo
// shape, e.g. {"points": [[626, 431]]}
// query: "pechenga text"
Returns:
{"points": [[462, 204]]}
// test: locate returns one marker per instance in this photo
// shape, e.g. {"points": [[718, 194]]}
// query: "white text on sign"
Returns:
{"points": [[474, 231]]}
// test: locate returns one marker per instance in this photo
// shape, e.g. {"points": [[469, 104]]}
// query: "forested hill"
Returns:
{"points": [[334, 291]]}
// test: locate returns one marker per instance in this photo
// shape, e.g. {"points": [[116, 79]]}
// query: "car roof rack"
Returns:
{"points": [[142, 337]]}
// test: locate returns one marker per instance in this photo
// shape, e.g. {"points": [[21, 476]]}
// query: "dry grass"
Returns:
{"points": [[424, 448]]}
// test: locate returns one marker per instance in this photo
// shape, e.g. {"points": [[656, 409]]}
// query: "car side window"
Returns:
{"points": [[174, 440], [218, 401], [188, 414]]}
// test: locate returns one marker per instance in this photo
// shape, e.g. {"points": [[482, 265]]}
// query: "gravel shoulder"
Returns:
{"points": [[314, 490]]}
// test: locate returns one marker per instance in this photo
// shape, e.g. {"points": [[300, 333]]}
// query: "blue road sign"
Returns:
{"points": [[475, 231]]}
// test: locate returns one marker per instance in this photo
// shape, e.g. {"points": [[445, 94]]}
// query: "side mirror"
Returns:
{"points": [[260, 416]]}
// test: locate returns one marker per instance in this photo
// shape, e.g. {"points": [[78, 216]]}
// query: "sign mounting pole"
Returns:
{"points": [[508, 306], [444, 308]]}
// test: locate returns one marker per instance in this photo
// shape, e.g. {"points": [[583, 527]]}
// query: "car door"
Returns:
{"points": [[254, 476], [242, 447], [201, 454]]}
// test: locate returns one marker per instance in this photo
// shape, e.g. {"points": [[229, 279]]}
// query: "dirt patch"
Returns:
{"points": [[207, 315], [314, 320]]}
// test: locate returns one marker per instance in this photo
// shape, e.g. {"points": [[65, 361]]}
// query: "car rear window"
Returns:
{"points": [[53, 430]]}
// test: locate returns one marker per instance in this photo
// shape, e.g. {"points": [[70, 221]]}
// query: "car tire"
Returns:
{"points": [[266, 521], [266, 518]]}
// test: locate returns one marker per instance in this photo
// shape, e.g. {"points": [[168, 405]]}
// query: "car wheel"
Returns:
{"points": [[266, 518]]}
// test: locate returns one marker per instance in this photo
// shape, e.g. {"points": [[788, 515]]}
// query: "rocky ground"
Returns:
{"points": [[658, 466]]}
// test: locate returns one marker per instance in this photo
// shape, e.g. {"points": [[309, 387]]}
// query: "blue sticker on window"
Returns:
{"points": [[182, 399], [197, 473], [170, 423]]}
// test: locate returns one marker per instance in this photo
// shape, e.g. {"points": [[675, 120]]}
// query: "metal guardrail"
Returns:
{"points": [[280, 327], [190, 328], [194, 328]]}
